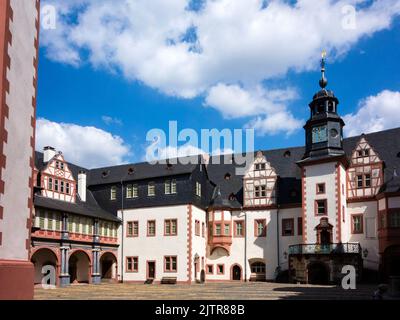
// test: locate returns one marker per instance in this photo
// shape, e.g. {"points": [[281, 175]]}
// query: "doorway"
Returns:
{"points": [[318, 273], [151, 269], [236, 273]]}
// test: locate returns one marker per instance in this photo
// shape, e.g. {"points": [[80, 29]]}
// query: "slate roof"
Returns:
{"points": [[284, 161], [142, 171]]}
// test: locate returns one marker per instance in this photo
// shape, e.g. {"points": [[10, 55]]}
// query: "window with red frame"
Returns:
{"points": [[170, 264], [132, 264], [287, 227], [260, 228]]}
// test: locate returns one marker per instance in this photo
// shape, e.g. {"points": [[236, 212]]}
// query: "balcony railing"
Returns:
{"points": [[332, 248]]}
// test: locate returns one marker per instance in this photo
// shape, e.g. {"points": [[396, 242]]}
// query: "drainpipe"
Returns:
{"points": [[245, 244], [122, 231], [277, 235]]}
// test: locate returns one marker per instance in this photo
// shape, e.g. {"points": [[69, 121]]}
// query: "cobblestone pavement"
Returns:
{"points": [[216, 291]]}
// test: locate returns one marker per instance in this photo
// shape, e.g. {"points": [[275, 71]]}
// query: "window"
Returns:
{"points": [[151, 189], [57, 164], [56, 185], [197, 228], [210, 269], [359, 181], [171, 227], [132, 229], [220, 269], [198, 189], [50, 221], [300, 226], [367, 180], [357, 224], [258, 267], [67, 188], [170, 264], [62, 165], [173, 186], [77, 222], [260, 191], [58, 222], [113, 193], [62, 186], [129, 191], [41, 221], [50, 183], [227, 229], [70, 224], [321, 188], [151, 228], [259, 166], [321, 207], [394, 220], [203, 229], [170, 187], [167, 187], [239, 228], [218, 229], [132, 264], [260, 228], [287, 227]]}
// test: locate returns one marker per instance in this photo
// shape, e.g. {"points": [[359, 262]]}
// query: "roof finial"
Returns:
{"points": [[323, 82]]}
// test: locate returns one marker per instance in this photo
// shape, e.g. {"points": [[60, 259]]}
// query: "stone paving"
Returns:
{"points": [[215, 291]]}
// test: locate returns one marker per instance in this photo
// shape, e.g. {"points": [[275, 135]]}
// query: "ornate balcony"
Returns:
{"points": [[332, 248]]}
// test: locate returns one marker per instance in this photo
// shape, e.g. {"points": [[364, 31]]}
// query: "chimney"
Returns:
{"points": [[48, 153], [82, 185]]}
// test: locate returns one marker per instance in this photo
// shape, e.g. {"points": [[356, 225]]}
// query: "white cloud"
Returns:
{"points": [[375, 113], [236, 45], [89, 147], [275, 124], [111, 121]]}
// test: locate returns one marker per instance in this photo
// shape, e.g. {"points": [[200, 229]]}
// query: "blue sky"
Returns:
{"points": [[125, 102]]}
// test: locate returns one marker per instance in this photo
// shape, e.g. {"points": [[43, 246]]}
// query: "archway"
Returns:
{"points": [[391, 261], [79, 267], [236, 273], [44, 257], [108, 266], [318, 273]]}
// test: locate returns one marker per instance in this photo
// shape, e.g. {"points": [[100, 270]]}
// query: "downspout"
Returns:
{"points": [[122, 231], [245, 245], [277, 239]]}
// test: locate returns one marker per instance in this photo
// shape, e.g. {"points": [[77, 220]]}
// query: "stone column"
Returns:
{"points": [[64, 275], [96, 276]]}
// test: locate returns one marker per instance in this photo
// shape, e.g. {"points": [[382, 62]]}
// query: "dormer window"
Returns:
{"points": [[50, 183], [151, 189], [67, 188], [62, 165], [198, 189], [260, 191], [227, 176], [56, 185], [57, 165], [113, 193]]}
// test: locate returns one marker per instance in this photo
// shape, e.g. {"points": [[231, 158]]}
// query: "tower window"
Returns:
{"points": [[357, 224], [321, 207], [321, 188]]}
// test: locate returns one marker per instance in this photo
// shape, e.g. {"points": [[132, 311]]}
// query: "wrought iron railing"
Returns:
{"points": [[332, 248]]}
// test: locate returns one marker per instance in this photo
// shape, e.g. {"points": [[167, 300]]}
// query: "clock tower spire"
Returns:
{"points": [[324, 129]]}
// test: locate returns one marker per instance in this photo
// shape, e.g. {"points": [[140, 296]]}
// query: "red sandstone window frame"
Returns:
{"points": [[316, 208], [170, 258], [218, 269], [133, 261], [133, 235], [148, 228], [353, 231], [208, 266], [236, 223], [170, 234], [291, 221], [321, 185], [256, 233]]}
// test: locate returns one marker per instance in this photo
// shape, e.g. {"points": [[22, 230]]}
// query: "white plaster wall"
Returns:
{"points": [[382, 204], [155, 248], [264, 248], [315, 174], [199, 243], [285, 242], [369, 211], [18, 148]]}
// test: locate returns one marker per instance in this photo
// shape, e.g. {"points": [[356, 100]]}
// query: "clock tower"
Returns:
{"points": [[324, 129]]}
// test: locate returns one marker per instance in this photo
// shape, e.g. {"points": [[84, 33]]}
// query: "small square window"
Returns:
{"points": [[321, 188], [221, 269]]}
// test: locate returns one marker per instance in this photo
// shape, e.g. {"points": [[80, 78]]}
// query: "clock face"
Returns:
{"points": [[319, 134]]}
